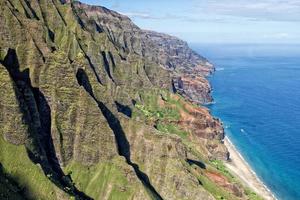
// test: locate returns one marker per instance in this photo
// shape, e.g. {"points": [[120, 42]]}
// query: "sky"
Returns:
{"points": [[215, 21]]}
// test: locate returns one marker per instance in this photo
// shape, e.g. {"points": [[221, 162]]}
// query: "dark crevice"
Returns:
{"points": [[10, 3], [98, 28], [133, 102], [93, 68], [199, 182], [43, 15], [80, 22], [110, 35], [195, 162], [51, 35], [12, 9], [90, 62], [37, 115], [122, 142], [27, 14], [46, 141], [39, 50], [173, 89], [53, 49], [122, 57], [31, 10], [65, 1], [83, 80], [162, 97], [126, 110], [58, 11], [112, 59], [106, 65]]}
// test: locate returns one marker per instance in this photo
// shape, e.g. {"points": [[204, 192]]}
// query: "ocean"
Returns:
{"points": [[256, 91]]}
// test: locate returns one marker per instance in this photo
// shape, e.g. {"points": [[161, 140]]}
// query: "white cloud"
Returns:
{"points": [[228, 10], [138, 15], [277, 36], [145, 15], [271, 10]]}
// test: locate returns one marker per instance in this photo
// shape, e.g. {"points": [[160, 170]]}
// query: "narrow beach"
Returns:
{"points": [[240, 168]]}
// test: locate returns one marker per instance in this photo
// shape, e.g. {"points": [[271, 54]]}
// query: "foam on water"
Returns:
{"points": [[252, 171], [219, 68]]}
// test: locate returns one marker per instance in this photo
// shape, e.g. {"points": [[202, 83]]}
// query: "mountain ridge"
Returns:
{"points": [[95, 108], [169, 51]]}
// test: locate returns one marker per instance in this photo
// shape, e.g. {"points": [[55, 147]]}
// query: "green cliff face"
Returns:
{"points": [[92, 107]]}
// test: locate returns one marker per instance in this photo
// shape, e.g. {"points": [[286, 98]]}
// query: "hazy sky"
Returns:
{"points": [[220, 21]]}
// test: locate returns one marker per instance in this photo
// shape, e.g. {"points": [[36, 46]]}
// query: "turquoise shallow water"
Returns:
{"points": [[256, 89]]}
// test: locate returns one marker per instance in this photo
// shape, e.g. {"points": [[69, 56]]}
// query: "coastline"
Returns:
{"points": [[241, 169]]}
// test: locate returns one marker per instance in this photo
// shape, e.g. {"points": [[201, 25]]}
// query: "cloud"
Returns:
{"points": [[142, 15], [166, 16], [277, 36], [222, 11], [270, 10]]}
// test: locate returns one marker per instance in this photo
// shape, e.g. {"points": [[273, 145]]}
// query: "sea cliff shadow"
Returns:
{"points": [[120, 136], [37, 115]]}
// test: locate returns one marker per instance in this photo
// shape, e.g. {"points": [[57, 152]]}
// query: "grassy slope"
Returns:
{"points": [[102, 180], [29, 176], [164, 116]]}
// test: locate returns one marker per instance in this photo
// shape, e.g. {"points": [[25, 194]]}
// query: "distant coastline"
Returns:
{"points": [[241, 169]]}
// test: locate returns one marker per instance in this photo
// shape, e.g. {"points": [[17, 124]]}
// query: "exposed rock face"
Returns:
{"points": [[167, 51], [88, 109], [194, 88]]}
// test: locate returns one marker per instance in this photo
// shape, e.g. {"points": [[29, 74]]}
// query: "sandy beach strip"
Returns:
{"points": [[240, 168]]}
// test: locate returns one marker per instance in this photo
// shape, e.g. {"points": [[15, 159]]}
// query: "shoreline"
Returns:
{"points": [[241, 169]]}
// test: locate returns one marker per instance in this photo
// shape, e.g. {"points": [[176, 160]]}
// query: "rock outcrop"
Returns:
{"points": [[93, 107]]}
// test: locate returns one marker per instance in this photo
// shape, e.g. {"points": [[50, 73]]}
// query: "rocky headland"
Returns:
{"points": [[93, 107]]}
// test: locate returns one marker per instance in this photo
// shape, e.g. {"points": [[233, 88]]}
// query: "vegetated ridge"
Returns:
{"points": [[93, 107]]}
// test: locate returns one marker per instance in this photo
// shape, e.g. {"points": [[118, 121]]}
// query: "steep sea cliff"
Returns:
{"points": [[93, 107]]}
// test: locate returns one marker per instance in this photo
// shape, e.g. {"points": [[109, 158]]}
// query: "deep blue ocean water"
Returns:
{"points": [[256, 89]]}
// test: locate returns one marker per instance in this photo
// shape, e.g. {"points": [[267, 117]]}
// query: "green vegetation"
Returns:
{"points": [[171, 128], [252, 195], [22, 170], [105, 179], [217, 191], [219, 165], [160, 108], [152, 109], [9, 189]]}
